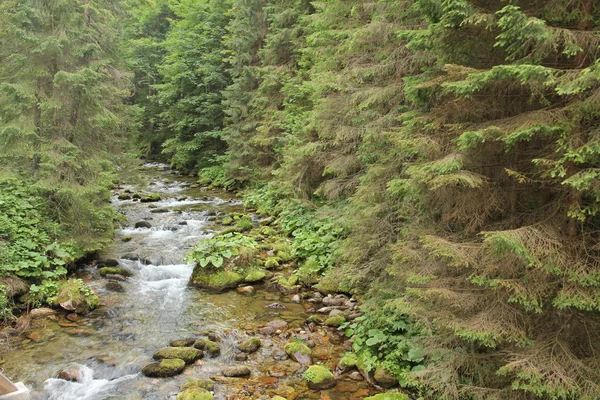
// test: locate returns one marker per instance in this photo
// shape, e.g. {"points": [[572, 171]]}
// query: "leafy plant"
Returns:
{"points": [[215, 251]]}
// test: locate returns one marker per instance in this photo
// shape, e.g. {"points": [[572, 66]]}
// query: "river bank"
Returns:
{"points": [[155, 306]]}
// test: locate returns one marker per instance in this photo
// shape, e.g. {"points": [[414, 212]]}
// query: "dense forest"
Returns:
{"points": [[438, 159]]}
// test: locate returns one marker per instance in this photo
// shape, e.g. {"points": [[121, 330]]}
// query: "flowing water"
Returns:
{"points": [[110, 345]]}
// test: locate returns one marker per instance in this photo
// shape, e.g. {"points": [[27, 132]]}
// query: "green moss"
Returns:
{"points": [[210, 347], [268, 231], [255, 276], [349, 360], [217, 281], [293, 280], [195, 394], [164, 368], [336, 320], [126, 238], [150, 198], [74, 295], [124, 196], [317, 374], [205, 384], [244, 224], [227, 221], [272, 262], [278, 398], [251, 345], [388, 396], [114, 271], [187, 354], [297, 347], [284, 256]]}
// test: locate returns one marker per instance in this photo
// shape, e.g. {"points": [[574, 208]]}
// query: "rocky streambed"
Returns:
{"points": [[257, 342]]}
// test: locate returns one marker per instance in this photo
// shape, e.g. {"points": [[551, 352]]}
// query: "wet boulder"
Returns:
{"points": [[208, 346], [255, 276], [109, 262], [114, 286], [250, 346], [73, 373], [187, 354], [236, 372], [164, 368], [43, 312], [319, 377], [143, 224]]}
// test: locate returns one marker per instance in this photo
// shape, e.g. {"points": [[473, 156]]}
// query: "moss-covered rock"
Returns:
{"points": [[209, 347], [272, 262], [336, 320], [217, 281], [114, 271], [124, 196], [195, 393], [164, 368], [227, 221], [150, 198], [388, 396], [251, 345], [349, 360], [255, 275], [278, 398], [189, 342], [205, 384], [127, 238], [319, 378], [187, 354], [74, 295], [299, 352]]}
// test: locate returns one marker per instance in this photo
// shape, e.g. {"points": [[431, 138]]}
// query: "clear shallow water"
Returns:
{"points": [[113, 343]]}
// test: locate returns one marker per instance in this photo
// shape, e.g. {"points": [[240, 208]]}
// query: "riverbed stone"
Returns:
{"points": [[209, 347], [250, 346], [109, 262], [299, 352], [384, 378], [188, 342], [236, 371], [274, 326], [319, 377], [240, 357], [143, 224], [164, 368], [195, 394], [216, 281], [187, 354]]}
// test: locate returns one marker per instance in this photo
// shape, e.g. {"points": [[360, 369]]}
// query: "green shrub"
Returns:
{"points": [[213, 252]]}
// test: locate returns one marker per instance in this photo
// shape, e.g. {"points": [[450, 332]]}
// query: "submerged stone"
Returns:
{"points": [[236, 372], [114, 271], [206, 384]]}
